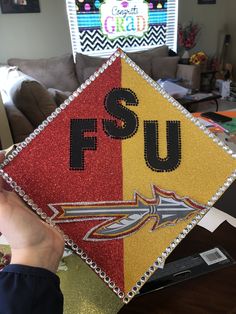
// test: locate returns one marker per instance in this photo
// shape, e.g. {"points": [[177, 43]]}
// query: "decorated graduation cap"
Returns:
{"points": [[123, 170]]}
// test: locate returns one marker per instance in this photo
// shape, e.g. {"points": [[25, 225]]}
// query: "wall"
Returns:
{"points": [[215, 20], [232, 30], [35, 35], [46, 34]]}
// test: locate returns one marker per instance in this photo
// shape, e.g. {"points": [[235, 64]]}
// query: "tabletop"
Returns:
{"points": [[210, 293]]}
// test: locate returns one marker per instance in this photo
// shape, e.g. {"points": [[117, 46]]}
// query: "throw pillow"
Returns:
{"points": [[56, 72], [84, 62], [88, 72], [19, 124], [58, 96], [142, 60], [164, 67], [87, 65], [161, 51], [34, 101]]}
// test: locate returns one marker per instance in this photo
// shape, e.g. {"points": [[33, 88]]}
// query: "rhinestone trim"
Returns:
{"points": [[160, 259], [178, 106]]}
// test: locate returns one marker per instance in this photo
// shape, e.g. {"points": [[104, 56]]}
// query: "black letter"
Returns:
{"points": [[114, 107], [78, 143], [172, 161]]}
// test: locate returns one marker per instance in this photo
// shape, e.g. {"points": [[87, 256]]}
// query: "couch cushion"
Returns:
{"points": [[58, 96], [161, 51], [34, 101], [19, 124], [190, 75], [56, 72], [87, 65], [164, 67], [88, 72], [142, 60], [84, 62]]}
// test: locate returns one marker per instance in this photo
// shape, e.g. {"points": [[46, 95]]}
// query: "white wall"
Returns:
{"points": [[215, 20], [232, 30], [35, 35], [46, 34]]}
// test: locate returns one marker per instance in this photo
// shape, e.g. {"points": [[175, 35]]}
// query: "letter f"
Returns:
{"points": [[79, 143]]}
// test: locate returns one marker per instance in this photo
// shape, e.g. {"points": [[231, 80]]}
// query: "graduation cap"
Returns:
{"points": [[123, 170]]}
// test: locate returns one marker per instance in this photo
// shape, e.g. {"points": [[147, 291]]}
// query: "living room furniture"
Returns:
{"points": [[36, 87], [197, 98], [5, 133], [211, 293], [207, 82]]}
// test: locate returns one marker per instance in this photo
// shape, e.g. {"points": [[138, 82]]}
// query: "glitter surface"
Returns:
{"points": [[43, 166], [114, 171], [84, 292]]}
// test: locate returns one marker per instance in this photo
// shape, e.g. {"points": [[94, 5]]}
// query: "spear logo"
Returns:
{"points": [[123, 218]]}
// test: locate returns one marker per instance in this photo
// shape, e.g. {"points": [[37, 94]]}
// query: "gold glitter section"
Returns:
{"points": [[84, 292], [5, 249], [204, 166], [142, 249], [203, 169]]}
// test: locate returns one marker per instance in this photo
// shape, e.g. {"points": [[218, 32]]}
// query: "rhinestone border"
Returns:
{"points": [[160, 259]]}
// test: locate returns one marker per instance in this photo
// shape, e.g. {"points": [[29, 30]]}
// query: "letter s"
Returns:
{"points": [[114, 107]]}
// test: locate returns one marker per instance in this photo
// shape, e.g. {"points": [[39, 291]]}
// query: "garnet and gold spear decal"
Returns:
{"points": [[123, 218]]}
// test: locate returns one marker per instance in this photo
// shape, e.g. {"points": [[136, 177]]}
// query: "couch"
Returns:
{"points": [[33, 89]]}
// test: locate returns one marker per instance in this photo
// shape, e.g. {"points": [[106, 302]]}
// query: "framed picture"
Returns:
{"points": [[20, 6], [206, 1]]}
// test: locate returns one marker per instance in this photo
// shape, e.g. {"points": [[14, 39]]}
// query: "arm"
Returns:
{"points": [[29, 290], [29, 281]]}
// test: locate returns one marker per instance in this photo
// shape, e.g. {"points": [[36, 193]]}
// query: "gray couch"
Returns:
{"points": [[35, 88]]}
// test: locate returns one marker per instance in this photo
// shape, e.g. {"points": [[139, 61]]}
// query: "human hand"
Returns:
{"points": [[33, 242]]}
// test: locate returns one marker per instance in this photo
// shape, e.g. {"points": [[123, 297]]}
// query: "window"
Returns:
{"points": [[89, 36]]}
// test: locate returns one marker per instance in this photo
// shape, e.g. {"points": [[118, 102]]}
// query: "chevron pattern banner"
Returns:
{"points": [[122, 23], [91, 40]]}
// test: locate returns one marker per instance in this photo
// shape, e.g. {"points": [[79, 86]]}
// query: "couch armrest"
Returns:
{"points": [[31, 98], [20, 126], [190, 74], [5, 133]]}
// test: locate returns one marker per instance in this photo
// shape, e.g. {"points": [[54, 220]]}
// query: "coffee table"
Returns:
{"points": [[197, 98]]}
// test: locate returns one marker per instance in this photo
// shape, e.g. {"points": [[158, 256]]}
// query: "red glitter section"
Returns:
{"points": [[42, 170]]}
